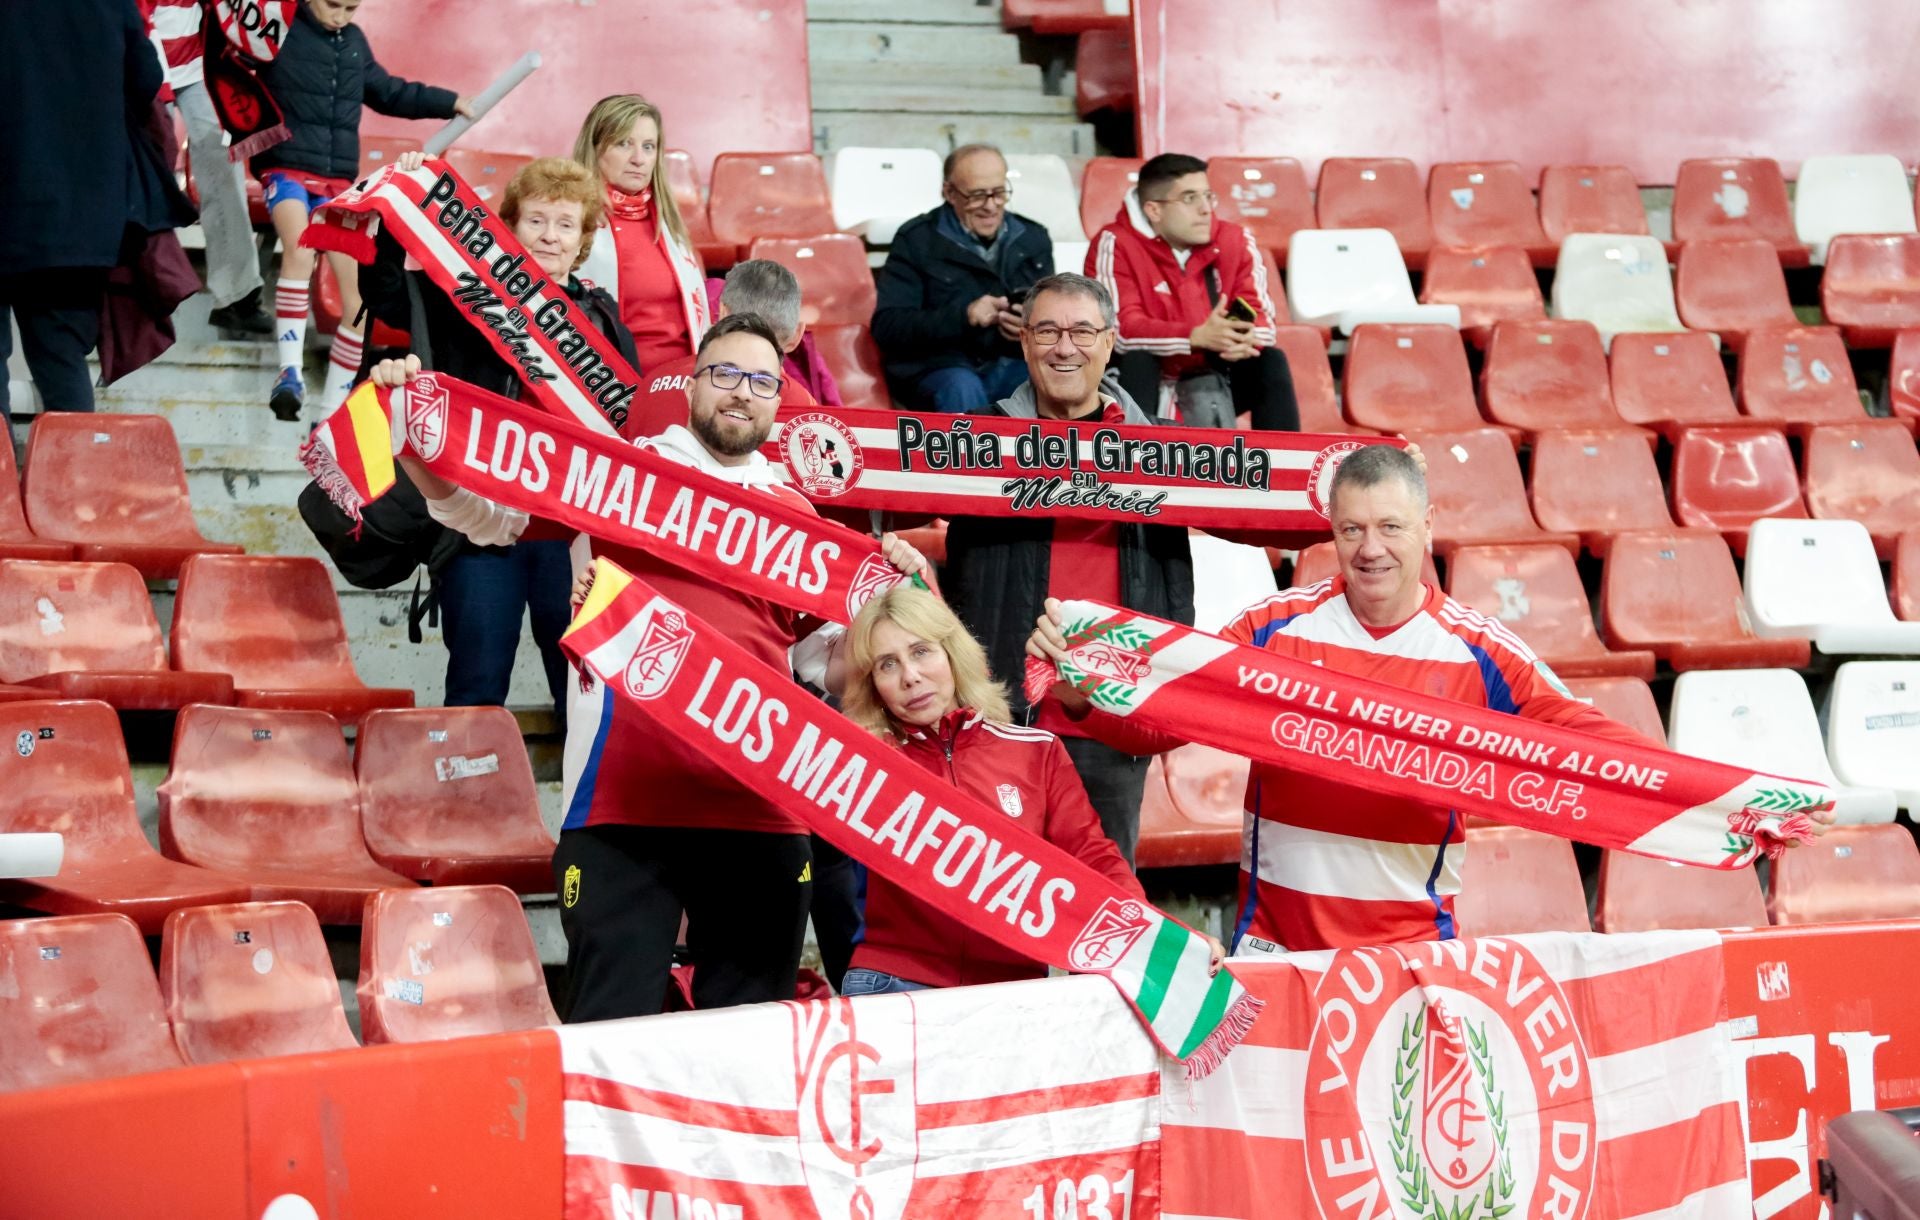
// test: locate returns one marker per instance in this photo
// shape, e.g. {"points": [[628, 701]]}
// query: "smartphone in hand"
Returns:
{"points": [[1240, 311]]}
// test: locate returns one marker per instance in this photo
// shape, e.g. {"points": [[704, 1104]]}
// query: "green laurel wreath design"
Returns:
{"points": [[1410, 1169], [1111, 694], [1781, 800]]}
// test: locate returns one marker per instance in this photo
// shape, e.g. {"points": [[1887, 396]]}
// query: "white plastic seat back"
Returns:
{"points": [[1820, 581], [1227, 578], [1071, 255], [1349, 277], [1873, 727], [876, 190], [1044, 190], [1620, 283], [1763, 720], [1863, 194]]}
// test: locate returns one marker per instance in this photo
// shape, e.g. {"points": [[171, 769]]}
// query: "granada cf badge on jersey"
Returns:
{"points": [[822, 454], [664, 641], [426, 416], [1320, 474], [1010, 800], [1108, 935]]}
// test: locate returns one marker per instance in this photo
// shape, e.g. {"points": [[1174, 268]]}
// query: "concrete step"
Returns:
{"points": [[929, 75], [893, 98], [834, 129], [891, 41], [918, 12]]}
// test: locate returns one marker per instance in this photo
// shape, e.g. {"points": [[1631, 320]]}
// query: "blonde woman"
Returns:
{"points": [[644, 258]]}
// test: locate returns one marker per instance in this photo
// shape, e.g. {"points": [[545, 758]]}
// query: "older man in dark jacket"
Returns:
{"points": [[951, 294]]}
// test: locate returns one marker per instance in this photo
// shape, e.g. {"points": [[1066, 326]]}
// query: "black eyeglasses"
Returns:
{"points": [[1083, 336], [999, 194], [727, 377]]}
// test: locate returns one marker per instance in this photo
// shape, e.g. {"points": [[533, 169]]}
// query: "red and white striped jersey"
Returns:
{"points": [[177, 39]]}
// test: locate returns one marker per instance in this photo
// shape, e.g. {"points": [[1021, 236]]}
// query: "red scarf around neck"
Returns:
{"points": [[630, 207]]}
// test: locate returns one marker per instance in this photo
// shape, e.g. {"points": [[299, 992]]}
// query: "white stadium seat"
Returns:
{"points": [[1044, 190], [1349, 277], [1618, 282], [1763, 720], [1820, 581], [1227, 578], [1835, 195], [876, 190], [1071, 255], [1873, 727]]}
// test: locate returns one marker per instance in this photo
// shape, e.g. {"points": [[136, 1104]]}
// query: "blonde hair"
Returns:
{"points": [[921, 614], [611, 119], [562, 180]]}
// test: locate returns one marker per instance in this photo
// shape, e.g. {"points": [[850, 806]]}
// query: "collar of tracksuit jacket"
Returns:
{"points": [[1133, 220]]}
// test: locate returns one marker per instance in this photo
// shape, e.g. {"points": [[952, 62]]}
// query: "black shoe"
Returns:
{"points": [[243, 318], [288, 393]]}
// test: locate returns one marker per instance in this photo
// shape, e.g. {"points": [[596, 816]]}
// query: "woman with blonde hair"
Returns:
{"points": [[644, 258]]}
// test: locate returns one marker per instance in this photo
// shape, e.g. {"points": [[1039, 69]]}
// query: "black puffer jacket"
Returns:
{"points": [[321, 79]]}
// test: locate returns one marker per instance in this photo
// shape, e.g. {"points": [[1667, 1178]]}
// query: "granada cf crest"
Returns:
{"points": [[1320, 474], [426, 407], [1106, 660], [874, 576], [859, 1121], [1109, 934], [664, 641], [822, 454]]}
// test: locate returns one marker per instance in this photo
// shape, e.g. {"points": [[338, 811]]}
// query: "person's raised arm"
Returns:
{"points": [[483, 522]]}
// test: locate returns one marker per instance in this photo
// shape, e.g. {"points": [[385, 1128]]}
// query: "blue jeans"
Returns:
{"points": [[961, 389], [483, 594], [861, 981]]}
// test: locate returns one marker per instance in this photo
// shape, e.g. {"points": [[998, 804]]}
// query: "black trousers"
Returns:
{"points": [[59, 316], [622, 892], [1261, 385], [1115, 782], [838, 888]]}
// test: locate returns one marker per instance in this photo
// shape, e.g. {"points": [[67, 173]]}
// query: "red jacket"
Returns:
{"points": [[1160, 302], [1026, 774]]}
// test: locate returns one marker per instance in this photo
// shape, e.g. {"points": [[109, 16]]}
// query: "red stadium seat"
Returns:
{"points": [[1731, 287], [1866, 472], [1536, 591], [836, 285], [683, 179], [67, 774], [448, 963], [274, 623], [1732, 198], [1589, 199], [1849, 873], [1903, 378], [1871, 286], [854, 361], [1313, 387], [1376, 193], [1641, 894], [87, 631], [269, 795], [1676, 592], [1727, 478], [1322, 560], [1490, 285], [1486, 203], [447, 797], [486, 172], [114, 486], [1597, 484], [80, 1003], [1271, 196], [379, 151], [1906, 576], [1627, 700], [1478, 496], [1670, 381], [1547, 375], [17, 539], [1195, 809], [1103, 72], [1061, 16], [1514, 880], [1103, 186], [1401, 377], [249, 980], [757, 195], [1798, 376]]}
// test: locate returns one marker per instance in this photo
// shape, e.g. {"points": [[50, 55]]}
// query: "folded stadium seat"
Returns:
{"points": [[1903, 380], [1486, 203], [1589, 199], [1871, 287], [854, 361], [1597, 483], [1514, 880], [447, 798], [1103, 184], [87, 631], [1798, 376], [114, 486], [1403, 377], [1376, 193], [1763, 719], [1641, 894], [1313, 388], [1676, 592], [1103, 73], [1349, 277], [1731, 288], [755, 195], [1618, 283], [1072, 255], [249, 980], [1536, 591], [1866, 472], [1734, 197], [1670, 382], [81, 1003], [67, 774], [1906, 577], [1728, 478], [269, 795], [683, 180], [876, 190], [486, 172], [836, 285], [1044, 190], [1478, 496], [273, 622], [17, 539], [1490, 285], [1547, 376], [449, 963], [1063, 16], [1850, 873], [1322, 560], [1873, 727], [1819, 580], [1271, 195], [1850, 194], [1627, 700], [1195, 809]]}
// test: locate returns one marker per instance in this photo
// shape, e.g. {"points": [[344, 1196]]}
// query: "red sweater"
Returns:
{"points": [[1024, 773]]}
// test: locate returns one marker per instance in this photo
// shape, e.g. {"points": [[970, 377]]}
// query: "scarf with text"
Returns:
{"points": [[1382, 738], [472, 255], [947, 848], [238, 36]]}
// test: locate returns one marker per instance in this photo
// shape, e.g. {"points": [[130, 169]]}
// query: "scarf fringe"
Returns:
{"points": [[1231, 1032], [333, 481], [1792, 831], [258, 142], [356, 244]]}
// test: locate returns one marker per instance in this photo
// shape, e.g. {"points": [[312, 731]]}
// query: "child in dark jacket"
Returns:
{"points": [[322, 77]]}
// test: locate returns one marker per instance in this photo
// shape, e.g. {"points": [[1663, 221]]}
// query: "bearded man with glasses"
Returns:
{"points": [[951, 295]]}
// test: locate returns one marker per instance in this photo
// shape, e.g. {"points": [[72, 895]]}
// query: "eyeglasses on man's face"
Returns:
{"points": [[1191, 199], [728, 377], [974, 199], [1046, 334]]}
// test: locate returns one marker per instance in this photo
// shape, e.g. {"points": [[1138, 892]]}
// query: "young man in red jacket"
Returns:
{"points": [[1193, 295]]}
